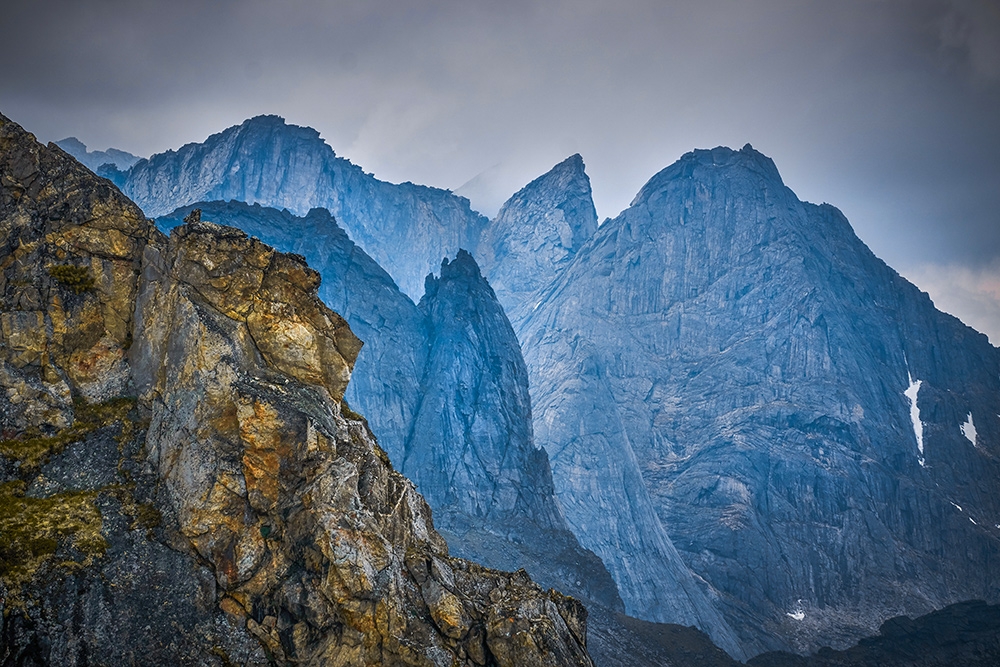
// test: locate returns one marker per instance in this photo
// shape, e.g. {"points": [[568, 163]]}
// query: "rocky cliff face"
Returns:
{"points": [[234, 511], [445, 389], [407, 228], [536, 234], [476, 396], [730, 375], [386, 381]]}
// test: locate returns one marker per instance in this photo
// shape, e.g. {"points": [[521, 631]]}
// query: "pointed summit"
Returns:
{"points": [[94, 160], [476, 408], [536, 234]]}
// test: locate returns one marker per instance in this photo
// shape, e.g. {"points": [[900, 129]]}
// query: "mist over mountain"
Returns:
{"points": [[758, 427], [720, 378], [94, 160], [180, 482]]}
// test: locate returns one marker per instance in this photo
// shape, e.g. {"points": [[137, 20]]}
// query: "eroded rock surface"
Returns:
{"points": [[445, 390], [237, 474]]}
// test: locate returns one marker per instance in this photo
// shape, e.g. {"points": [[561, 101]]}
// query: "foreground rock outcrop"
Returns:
{"points": [[445, 390], [232, 511]]}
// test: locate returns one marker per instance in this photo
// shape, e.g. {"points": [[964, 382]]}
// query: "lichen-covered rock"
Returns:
{"points": [[294, 505], [240, 512], [68, 277], [444, 389]]}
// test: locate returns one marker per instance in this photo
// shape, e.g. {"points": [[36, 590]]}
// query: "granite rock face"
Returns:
{"points": [[237, 504], [445, 390], [475, 402], [536, 234], [724, 373], [407, 228]]}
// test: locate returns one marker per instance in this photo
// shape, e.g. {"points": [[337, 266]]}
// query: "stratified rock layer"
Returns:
{"points": [[407, 228], [722, 373], [237, 466]]}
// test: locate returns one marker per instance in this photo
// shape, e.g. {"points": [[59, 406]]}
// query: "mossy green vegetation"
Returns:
{"points": [[76, 278], [33, 448], [148, 516], [33, 531], [345, 410]]}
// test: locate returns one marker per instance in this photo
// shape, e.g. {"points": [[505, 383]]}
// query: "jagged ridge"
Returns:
{"points": [[407, 228], [316, 550], [753, 355]]}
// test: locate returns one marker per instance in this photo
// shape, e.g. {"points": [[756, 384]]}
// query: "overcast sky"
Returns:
{"points": [[887, 109]]}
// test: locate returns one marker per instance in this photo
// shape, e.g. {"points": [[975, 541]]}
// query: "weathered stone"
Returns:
{"points": [[266, 524], [55, 335], [445, 391]]}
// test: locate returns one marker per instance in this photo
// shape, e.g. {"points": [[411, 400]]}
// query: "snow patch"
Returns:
{"points": [[969, 429], [918, 426]]}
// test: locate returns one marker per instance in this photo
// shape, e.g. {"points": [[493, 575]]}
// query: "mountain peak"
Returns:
{"points": [[537, 233], [94, 160], [462, 266], [573, 163], [71, 142], [705, 164], [561, 175], [275, 123]]}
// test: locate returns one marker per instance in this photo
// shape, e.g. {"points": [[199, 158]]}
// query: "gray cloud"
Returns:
{"points": [[885, 108], [970, 294]]}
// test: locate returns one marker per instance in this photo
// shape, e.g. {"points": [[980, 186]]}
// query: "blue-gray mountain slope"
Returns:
{"points": [[406, 228], [536, 234], [721, 373]]}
